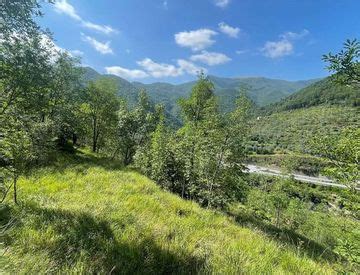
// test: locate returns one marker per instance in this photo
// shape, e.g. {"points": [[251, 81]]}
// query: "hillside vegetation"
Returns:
{"points": [[86, 214], [294, 129], [324, 92]]}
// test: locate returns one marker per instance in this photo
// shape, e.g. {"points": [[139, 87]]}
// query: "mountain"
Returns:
{"points": [[323, 92], [261, 90]]}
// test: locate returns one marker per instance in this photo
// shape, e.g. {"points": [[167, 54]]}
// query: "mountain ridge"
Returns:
{"points": [[261, 90]]}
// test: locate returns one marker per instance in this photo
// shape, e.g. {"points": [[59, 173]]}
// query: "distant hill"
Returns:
{"points": [[126, 89], [292, 130], [323, 108], [261, 90], [324, 92]]}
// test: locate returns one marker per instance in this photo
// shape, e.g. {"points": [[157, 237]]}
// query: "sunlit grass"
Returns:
{"points": [[93, 216]]}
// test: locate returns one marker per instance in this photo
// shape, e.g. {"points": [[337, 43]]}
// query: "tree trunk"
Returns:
{"points": [[115, 153], [94, 147], [183, 189], [15, 189], [74, 139], [217, 168], [278, 217]]}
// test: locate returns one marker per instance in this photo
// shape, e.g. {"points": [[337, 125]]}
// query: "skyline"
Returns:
{"points": [[170, 41]]}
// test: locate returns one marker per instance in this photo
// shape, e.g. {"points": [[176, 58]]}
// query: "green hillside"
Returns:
{"points": [[324, 92], [126, 89], [323, 108], [292, 130], [135, 228], [261, 90]]}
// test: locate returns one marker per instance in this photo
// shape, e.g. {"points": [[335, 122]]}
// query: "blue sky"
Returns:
{"points": [[158, 40]]}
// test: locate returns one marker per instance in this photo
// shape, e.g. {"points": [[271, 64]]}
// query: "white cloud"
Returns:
{"points": [[151, 68], [278, 49], [230, 31], [210, 58], [63, 7], [284, 46], [222, 3], [159, 69], [54, 50], [241, 51], [126, 73], [100, 28], [189, 67], [294, 35], [103, 48], [48, 44], [76, 52], [196, 40]]}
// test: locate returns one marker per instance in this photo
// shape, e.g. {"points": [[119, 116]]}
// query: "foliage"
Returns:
{"points": [[345, 64], [37, 85], [293, 130], [100, 108], [323, 93], [343, 151], [203, 159], [313, 219], [135, 126]]}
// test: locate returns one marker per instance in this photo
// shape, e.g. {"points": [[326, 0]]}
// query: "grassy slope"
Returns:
{"points": [[92, 216]]}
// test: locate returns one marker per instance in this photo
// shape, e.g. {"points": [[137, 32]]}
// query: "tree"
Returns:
{"points": [[156, 157], [18, 150], [101, 107], [200, 106], [26, 70], [201, 101], [25, 54], [203, 159], [135, 126], [17, 15], [65, 99], [343, 152], [345, 64], [211, 146], [279, 200]]}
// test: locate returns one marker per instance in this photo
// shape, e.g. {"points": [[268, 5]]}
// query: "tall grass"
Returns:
{"points": [[89, 215]]}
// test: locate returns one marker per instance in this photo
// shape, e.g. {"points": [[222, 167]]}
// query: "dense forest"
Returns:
{"points": [[100, 176]]}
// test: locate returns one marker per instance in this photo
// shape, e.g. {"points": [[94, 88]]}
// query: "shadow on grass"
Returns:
{"points": [[91, 241], [82, 161], [286, 236]]}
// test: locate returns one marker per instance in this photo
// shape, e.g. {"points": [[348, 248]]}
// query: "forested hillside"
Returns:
{"points": [[293, 130], [324, 92], [324, 108]]}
